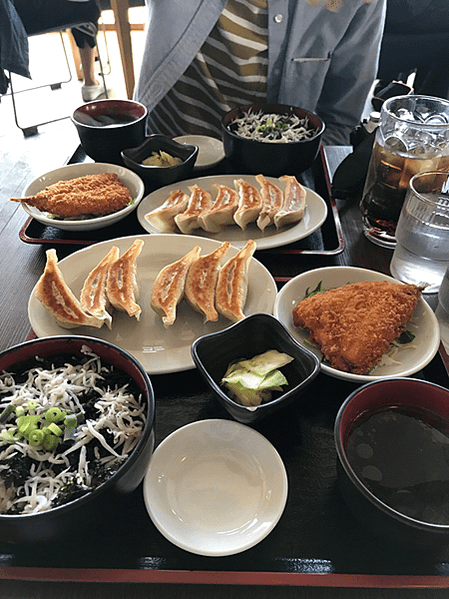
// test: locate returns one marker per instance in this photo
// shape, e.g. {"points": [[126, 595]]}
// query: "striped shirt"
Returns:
{"points": [[230, 70]]}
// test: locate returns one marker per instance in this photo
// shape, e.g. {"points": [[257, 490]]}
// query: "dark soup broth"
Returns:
{"points": [[402, 456]]}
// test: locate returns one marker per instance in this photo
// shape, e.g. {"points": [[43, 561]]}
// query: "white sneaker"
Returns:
{"points": [[93, 92]]}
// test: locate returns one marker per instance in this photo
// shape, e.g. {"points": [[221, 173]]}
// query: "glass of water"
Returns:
{"points": [[421, 255]]}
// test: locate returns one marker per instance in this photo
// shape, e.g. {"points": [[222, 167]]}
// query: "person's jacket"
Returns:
{"points": [[320, 60]]}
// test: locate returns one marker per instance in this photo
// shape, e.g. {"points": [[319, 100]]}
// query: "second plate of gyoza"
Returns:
{"points": [[314, 216]]}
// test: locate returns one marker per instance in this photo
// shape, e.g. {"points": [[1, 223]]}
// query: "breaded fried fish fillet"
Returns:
{"points": [[354, 325], [93, 194]]}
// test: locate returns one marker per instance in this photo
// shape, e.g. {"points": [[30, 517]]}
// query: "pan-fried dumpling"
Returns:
{"points": [[200, 202], [294, 204], [168, 288], [163, 217], [272, 198], [94, 299], [250, 203], [232, 284], [201, 282], [122, 289], [222, 210], [55, 295]]}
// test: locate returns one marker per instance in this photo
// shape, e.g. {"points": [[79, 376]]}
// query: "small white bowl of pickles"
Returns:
{"points": [[259, 346], [160, 160]]}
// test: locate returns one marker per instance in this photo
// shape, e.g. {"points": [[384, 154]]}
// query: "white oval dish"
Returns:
{"points": [[407, 361], [210, 150], [159, 349], [314, 216], [72, 171], [215, 487]]}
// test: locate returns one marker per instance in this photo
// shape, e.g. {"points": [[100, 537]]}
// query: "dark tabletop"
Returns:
{"points": [[317, 541]]}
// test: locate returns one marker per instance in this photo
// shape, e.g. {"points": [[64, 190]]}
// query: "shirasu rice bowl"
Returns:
{"points": [[68, 422]]}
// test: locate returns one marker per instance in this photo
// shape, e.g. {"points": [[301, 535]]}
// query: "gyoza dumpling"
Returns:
{"points": [[232, 284], [294, 204], [55, 295], [168, 288], [222, 210], [201, 282], [272, 198], [250, 203], [121, 288], [94, 299], [163, 218], [199, 203]]}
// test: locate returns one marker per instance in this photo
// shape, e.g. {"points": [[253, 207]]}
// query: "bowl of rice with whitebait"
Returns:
{"points": [[272, 139], [76, 435]]}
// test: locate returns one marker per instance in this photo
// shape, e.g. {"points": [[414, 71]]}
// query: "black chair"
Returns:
{"points": [[416, 39], [33, 29]]}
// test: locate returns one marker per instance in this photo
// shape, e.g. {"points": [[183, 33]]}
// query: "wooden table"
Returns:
{"points": [[21, 264]]}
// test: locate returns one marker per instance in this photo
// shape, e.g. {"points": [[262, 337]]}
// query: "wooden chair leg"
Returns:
{"points": [[76, 55]]}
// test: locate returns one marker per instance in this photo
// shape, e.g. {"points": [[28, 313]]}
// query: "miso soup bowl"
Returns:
{"points": [[101, 506], [106, 127], [379, 518]]}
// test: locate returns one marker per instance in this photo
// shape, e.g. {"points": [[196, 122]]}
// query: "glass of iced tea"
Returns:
{"points": [[412, 137]]}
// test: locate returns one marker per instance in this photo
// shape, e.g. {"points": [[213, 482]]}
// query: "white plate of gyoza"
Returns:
{"points": [[69, 294], [273, 212]]}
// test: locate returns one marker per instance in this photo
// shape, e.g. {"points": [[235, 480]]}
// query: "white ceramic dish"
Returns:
{"points": [[314, 217], [132, 181], [158, 349], [215, 487], [210, 150], [407, 361]]}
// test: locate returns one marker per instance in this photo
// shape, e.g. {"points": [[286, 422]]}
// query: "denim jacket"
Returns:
{"points": [[321, 60]]}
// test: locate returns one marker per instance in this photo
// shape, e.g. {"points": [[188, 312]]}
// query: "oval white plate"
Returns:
{"points": [[158, 349], [215, 487], [423, 324], [132, 181], [210, 150], [314, 216]]}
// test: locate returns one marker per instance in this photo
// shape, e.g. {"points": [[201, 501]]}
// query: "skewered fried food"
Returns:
{"points": [[354, 325], [89, 195]]}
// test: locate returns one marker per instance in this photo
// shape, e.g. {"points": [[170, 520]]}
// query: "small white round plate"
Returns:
{"points": [[215, 487], [210, 150], [160, 350], [407, 360], [72, 171], [314, 216]]}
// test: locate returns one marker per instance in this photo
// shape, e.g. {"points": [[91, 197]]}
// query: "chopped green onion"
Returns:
{"points": [[55, 429], [54, 415], [36, 437]]}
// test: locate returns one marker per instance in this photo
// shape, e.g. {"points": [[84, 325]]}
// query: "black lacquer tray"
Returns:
{"points": [[328, 240], [317, 540]]}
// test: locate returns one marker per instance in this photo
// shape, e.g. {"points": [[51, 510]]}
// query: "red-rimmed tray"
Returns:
{"points": [[316, 542], [328, 240]]}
